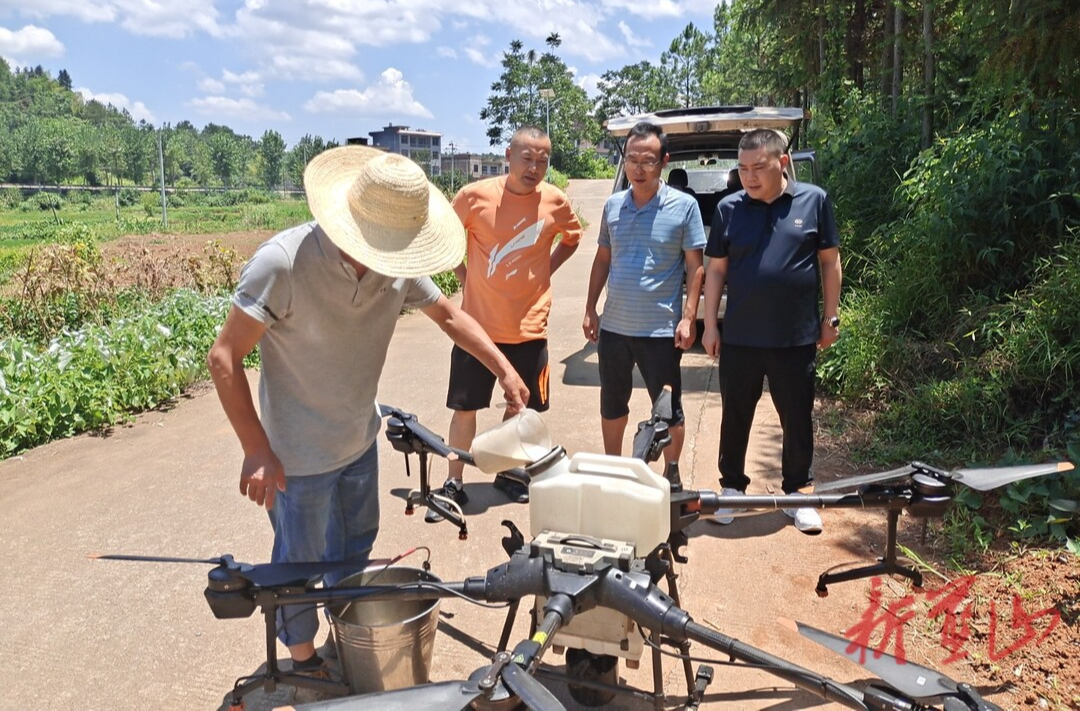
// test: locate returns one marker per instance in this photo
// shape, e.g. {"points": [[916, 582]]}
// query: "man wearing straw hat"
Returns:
{"points": [[321, 301]]}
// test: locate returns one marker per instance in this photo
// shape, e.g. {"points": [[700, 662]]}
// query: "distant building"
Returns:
{"points": [[604, 149], [425, 147], [356, 141], [476, 165]]}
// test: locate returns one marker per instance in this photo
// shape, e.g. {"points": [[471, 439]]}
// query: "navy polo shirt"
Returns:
{"points": [[773, 277]]}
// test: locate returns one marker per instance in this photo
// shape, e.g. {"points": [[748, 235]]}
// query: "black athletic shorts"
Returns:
{"points": [[658, 361], [471, 383]]}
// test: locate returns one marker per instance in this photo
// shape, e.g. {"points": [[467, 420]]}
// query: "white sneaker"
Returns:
{"points": [[806, 520], [725, 516]]}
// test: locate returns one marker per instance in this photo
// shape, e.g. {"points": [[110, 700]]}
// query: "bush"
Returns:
{"points": [[127, 197], [151, 203], [10, 198], [80, 197], [42, 201], [558, 179], [67, 232], [92, 377]]}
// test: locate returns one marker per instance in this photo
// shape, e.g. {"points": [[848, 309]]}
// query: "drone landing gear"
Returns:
{"points": [[593, 679], [885, 566], [273, 675]]}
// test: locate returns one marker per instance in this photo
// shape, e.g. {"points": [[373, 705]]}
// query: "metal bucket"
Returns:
{"points": [[385, 644]]}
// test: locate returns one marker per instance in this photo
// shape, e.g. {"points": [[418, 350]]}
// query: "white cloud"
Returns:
{"points": [[30, 42], [155, 19], [209, 85], [222, 107], [312, 69], [651, 10], [474, 50], [632, 39], [390, 95], [447, 52], [588, 82], [248, 83], [137, 109]]}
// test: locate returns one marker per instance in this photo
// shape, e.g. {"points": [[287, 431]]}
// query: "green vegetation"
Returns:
{"points": [[946, 133], [94, 376]]}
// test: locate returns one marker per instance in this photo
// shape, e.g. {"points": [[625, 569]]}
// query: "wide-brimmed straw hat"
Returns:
{"points": [[380, 209]]}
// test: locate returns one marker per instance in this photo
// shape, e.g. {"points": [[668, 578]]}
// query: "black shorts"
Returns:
{"points": [[471, 383], [658, 362]]}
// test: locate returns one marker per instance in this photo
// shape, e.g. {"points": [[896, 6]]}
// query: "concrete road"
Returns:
{"points": [[83, 634]]}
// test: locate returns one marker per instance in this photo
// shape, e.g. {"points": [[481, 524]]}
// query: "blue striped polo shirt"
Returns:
{"points": [[645, 283]]}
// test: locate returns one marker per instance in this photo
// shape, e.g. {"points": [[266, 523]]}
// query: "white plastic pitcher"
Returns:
{"points": [[515, 442], [603, 496]]}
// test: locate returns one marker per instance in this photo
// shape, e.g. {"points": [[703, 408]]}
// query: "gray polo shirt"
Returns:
{"points": [[324, 347]]}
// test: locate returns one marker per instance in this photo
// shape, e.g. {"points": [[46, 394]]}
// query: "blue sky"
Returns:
{"points": [[335, 68]]}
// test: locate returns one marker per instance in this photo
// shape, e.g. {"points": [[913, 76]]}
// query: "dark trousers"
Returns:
{"points": [[791, 373]]}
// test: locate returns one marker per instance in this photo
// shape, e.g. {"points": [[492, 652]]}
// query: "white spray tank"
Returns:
{"points": [[616, 498]]}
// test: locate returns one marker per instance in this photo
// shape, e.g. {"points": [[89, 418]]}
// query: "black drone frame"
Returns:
{"points": [[628, 587], [235, 590]]}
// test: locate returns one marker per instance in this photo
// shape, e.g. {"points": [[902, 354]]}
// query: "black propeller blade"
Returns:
{"points": [[993, 477], [661, 410], [854, 481], [262, 574], [916, 681], [271, 574], [983, 479], [444, 695], [531, 692], [223, 560]]}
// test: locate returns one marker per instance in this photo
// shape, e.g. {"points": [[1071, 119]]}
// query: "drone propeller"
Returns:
{"points": [[531, 692], [909, 678], [983, 479], [262, 574], [661, 410], [444, 695]]}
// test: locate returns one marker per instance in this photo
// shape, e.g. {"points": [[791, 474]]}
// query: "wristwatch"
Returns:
{"points": [[832, 322]]}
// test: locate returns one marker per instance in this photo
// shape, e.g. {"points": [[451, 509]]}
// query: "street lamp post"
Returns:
{"points": [[547, 94], [451, 147]]}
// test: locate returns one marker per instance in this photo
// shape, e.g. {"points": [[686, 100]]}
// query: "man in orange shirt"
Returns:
{"points": [[512, 222]]}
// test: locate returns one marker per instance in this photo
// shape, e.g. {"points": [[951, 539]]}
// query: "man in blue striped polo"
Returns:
{"points": [[650, 236]]}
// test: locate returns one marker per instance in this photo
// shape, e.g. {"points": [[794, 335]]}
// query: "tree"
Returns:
{"points": [[634, 89], [140, 153], [684, 63], [226, 156], [515, 101], [64, 79], [272, 152]]}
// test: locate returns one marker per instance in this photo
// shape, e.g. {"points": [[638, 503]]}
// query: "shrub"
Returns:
{"points": [[151, 203], [92, 377], [127, 197], [10, 198], [80, 197], [558, 179]]}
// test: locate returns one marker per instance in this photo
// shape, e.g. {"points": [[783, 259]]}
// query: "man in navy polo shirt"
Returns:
{"points": [[774, 245], [650, 236]]}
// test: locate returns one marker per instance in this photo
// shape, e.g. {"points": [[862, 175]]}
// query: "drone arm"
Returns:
{"points": [[652, 609]]}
